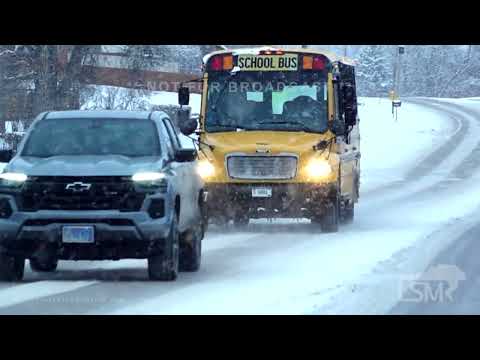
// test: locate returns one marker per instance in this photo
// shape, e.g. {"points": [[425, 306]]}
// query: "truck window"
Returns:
{"points": [[172, 133], [62, 137]]}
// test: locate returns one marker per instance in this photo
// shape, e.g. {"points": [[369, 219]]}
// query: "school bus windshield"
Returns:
{"points": [[277, 101]]}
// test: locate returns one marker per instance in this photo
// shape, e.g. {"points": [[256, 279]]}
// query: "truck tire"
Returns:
{"points": [[331, 218], [44, 265], [191, 251], [12, 268], [164, 267]]}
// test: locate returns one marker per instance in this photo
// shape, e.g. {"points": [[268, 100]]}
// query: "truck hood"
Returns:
{"points": [[111, 165]]}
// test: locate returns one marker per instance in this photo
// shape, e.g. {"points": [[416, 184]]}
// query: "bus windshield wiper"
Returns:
{"points": [[290, 122]]}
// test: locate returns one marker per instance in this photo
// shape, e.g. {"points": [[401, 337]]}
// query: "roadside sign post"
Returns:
{"points": [[395, 105]]}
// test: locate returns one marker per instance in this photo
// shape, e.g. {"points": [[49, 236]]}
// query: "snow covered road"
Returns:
{"points": [[419, 181]]}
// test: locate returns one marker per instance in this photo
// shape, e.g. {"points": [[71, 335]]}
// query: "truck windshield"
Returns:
{"points": [[127, 137], [283, 101]]}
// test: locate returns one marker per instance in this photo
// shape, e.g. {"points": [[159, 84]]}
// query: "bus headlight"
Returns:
{"points": [[206, 169], [318, 168]]}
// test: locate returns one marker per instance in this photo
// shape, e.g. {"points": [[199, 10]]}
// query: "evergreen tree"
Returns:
{"points": [[374, 72]]}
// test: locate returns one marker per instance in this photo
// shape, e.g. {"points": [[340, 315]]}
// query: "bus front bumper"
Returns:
{"points": [[292, 200]]}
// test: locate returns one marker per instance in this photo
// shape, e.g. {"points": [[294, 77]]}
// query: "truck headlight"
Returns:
{"points": [[318, 168], [205, 168], [12, 180], [150, 181], [148, 176], [14, 177]]}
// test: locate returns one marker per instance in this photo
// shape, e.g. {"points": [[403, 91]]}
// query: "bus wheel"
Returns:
{"points": [[331, 218], [348, 213], [241, 221]]}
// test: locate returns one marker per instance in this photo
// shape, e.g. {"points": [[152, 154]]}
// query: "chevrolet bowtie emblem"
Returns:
{"points": [[78, 186]]}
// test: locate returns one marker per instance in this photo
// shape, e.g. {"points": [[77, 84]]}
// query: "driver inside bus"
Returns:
{"points": [[304, 107]]}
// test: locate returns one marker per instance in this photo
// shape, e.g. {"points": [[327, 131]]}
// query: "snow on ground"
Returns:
{"points": [[390, 148], [289, 267]]}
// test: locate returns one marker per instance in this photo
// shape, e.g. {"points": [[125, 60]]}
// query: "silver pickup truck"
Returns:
{"points": [[101, 185]]}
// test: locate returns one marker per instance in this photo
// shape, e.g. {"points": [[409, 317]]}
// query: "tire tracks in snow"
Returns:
{"points": [[463, 170], [460, 171], [433, 159]]}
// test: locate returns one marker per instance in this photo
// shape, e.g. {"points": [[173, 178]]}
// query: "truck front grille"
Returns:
{"points": [[262, 167], [104, 193]]}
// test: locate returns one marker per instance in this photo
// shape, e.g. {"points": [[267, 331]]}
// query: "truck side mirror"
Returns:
{"points": [[186, 123], [186, 155], [183, 96], [6, 156]]}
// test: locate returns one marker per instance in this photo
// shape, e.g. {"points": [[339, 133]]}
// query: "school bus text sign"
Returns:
{"points": [[287, 62]]}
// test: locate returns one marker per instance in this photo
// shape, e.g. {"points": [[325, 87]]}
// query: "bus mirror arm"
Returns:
{"points": [[198, 141]]}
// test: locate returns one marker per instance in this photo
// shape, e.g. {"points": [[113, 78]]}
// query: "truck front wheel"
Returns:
{"points": [[165, 267], [44, 265], [11, 268], [191, 250]]}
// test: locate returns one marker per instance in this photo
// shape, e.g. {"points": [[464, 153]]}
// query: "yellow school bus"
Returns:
{"points": [[278, 135]]}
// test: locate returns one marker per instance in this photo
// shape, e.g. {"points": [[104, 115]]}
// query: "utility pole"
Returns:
{"points": [[396, 103], [397, 70], [345, 50]]}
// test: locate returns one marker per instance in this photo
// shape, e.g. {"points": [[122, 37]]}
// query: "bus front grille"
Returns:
{"points": [[262, 167]]}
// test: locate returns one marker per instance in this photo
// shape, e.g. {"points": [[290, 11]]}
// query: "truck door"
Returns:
{"points": [[186, 185]]}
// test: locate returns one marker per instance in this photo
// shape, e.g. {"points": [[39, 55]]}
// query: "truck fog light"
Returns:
{"points": [[318, 168], [156, 209]]}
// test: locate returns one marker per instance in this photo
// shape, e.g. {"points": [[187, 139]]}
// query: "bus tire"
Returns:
{"points": [[329, 222], [348, 213], [241, 221]]}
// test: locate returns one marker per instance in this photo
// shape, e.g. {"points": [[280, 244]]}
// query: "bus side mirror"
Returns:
{"points": [[186, 123], [183, 96], [6, 156], [350, 105], [338, 128], [350, 117]]}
